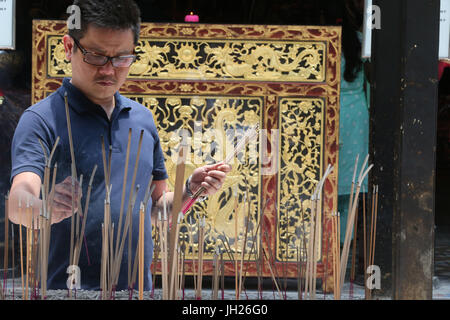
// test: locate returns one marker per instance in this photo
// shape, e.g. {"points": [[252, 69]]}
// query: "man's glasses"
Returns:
{"points": [[101, 60]]}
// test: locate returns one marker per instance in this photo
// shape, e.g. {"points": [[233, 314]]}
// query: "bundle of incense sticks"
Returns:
{"points": [[191, 245], [163, 236], [314, 237], [175, 213], [80, 237], [336, 246], [249, 136], [113, 251], [352, 270], [25, 274], [201, 243], [270, 259], [106, 263], [244, 246], [47, 192], [132, 279], [259, 258], [253, 248], [215, 277], [350, 222], [371, 239], [304, 255], [160, 254], [236, 240], [6, 248], [174, 270], [74, 177]]}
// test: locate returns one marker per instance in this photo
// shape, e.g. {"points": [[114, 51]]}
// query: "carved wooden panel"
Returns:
{"points": [[197, 78]]}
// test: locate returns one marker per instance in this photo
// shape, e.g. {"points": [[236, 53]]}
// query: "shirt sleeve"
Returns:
{"points": [[26, 152]]}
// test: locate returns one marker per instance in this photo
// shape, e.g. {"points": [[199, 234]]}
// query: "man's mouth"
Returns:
{"points": [[106, 83]]}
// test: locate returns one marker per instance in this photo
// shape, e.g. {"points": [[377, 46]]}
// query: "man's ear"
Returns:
{"points": [[68, 46]]}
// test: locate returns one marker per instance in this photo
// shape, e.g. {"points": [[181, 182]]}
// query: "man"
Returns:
{"points": [[101, 53]]}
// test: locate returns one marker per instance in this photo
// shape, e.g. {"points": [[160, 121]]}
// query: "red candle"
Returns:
{"points": [[191, 18]]}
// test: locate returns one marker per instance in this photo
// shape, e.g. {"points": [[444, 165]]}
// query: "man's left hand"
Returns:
{"points": [[211, 177]]}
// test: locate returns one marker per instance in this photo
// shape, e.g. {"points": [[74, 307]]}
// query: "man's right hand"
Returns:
{"points": [[62, 200], [26, 188]]}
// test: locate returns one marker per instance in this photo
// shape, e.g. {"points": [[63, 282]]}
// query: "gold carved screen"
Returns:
{"points": [[228, 78]]}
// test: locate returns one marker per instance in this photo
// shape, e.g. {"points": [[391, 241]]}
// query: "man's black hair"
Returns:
{"points": [[109, 14]]}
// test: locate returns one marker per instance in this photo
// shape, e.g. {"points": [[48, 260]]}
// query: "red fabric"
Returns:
{"points": [[442, 66]]}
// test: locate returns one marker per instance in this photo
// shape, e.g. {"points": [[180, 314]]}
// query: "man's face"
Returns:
{"points": [[99, 83]]}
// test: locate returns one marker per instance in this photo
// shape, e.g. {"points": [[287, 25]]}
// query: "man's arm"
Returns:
{"points": [[26, 189]]}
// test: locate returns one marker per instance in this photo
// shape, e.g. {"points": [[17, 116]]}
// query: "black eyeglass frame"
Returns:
{"points": [[112, 59]]}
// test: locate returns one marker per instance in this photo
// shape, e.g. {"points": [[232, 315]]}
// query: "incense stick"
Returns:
{"points": [[174, 266], [141, 251], [6, 245], [13, 260], [365, 244], [136, 164], [244, 245], [373, 228], [191, 236], [165, 251], [271, 273], [270, 261], [200, 257], [236, 237], [176, 208], [124, 184], [253, 247], [21, 244], [74, 174], [85, 213], [215, 281]]}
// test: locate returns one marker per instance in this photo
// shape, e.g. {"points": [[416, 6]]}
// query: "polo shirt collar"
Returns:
{"points": [[81, 104]]}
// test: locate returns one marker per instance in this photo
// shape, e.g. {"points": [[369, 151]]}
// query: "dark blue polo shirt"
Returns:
{"points": [[47, 120]]}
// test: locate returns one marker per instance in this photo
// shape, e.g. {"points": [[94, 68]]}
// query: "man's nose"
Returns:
{"points": [[107, 68]]}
